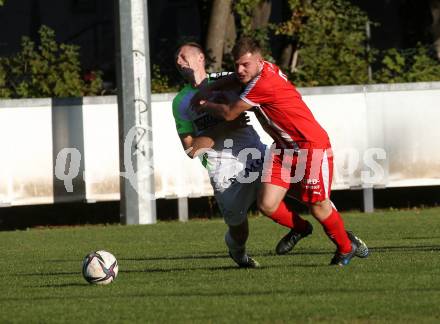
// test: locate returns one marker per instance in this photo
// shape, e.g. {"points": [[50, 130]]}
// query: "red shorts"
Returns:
{"points": [[307, 174]]}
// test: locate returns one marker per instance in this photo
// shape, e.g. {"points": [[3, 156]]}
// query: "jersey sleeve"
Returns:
{"points": [[183, 125], [257, 92], [213, 76]]}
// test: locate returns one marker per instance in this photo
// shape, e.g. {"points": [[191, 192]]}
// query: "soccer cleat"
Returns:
{"points": [[362, 248], [341, 259], [249, 263], [288, 242], [358, 248]]}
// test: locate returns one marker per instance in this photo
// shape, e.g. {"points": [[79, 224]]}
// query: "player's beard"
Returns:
{"points": [[187, 74]]}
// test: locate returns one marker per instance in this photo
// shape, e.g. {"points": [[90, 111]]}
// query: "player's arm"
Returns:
{"points": [[197, 145], [192, 145], [224, 111], [228, 82]]}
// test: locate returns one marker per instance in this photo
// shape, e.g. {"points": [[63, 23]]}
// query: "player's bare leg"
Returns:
{"points": [[270, 202], [270, 197]]}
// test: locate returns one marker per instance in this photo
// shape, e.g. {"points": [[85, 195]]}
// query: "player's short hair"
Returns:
{"points": [[245, 45], [195, 45]]}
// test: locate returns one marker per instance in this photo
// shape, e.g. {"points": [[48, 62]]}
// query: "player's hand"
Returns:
{"points": [[202, 94], [241, 121], [198, 108]]}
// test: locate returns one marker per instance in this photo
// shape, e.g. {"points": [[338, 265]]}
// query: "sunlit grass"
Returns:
{"points": [[180, 272]]}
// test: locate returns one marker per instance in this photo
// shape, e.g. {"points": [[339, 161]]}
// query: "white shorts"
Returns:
{"points": [[235, 201]]}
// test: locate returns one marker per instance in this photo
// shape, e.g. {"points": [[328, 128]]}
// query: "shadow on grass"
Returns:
{"points": [[223, 255], [63, 285], [152, 295], [58, 273], [201, 256], [405, 248], [220, 255], [229, 293], [231, 267], [421, 238], [222, 268]]}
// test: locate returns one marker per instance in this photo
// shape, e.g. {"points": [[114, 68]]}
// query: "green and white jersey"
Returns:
{"points": [[223, 161]]}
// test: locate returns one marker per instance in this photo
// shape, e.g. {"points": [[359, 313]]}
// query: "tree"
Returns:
{"points": [[328, 42], [325, 41], [254, 20], [411, 65], [215, 42], [435, 11], [47, 70]]}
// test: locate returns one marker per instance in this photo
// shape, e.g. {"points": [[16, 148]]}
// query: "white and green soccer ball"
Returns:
{"points": [[100, 267]]}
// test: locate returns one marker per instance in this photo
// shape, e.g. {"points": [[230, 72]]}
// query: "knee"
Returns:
{"points": [[269, 199], [267, 206], [321, 209]]}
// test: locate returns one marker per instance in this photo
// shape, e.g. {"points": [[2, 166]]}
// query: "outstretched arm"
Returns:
{"points": [[223, 110], [229, 82]]}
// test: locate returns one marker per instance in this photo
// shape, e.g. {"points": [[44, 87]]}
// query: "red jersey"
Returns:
{"points": [[282, 112]]}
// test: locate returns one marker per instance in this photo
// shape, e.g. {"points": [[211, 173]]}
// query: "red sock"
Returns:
{"points": [[335, 230], [285, 216]]}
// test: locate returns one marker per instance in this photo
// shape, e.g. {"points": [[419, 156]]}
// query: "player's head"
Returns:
{"points": [[190, 59], [248, 59]]}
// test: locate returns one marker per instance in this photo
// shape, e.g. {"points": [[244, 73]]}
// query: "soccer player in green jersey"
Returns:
{"points": [[218, 144]]}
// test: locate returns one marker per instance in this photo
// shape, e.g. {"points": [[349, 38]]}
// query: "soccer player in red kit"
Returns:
{"points": [[301, 163]]}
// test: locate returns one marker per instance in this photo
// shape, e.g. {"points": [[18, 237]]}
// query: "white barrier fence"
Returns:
{"points": [[382, 136]]}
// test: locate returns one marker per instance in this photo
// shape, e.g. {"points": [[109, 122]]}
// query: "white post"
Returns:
{"points": [[182, 204], [368, 200], [138, 205]]}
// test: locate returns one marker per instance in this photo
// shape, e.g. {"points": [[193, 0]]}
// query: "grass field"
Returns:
{"points": [[180, 272]]}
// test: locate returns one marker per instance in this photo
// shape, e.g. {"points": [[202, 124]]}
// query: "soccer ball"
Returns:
{"points": [[100, 267]]}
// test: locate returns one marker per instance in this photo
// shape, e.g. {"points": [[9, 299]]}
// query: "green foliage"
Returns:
{"points": [[414, 65], [4, 91], [47, 70], [244, 9], [160, 82], [330, 37]]}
